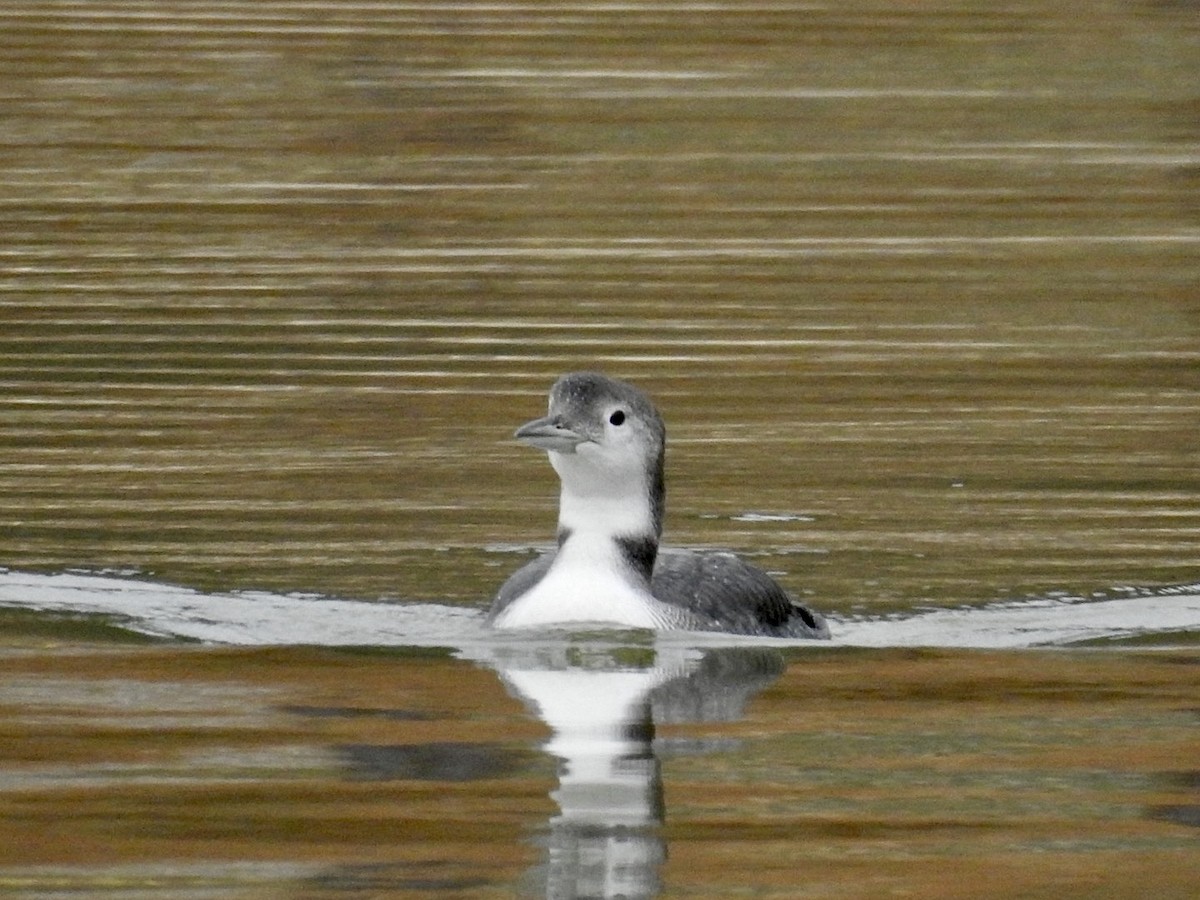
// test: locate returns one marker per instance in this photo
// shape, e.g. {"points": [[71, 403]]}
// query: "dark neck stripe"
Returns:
{"points": [[639, 553], [657, 487]]}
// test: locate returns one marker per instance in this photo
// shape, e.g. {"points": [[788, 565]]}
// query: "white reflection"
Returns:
{"points": [[602, 702]]}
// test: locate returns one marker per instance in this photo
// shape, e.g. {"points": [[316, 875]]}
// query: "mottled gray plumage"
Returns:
{"points": [[728, 594]]}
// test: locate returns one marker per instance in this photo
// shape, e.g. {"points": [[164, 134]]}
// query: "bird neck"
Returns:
{"points": [[622, 520]]}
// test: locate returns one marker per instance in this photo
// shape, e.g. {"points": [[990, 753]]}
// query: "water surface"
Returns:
{"points": [[585, 765], [915, 288]]}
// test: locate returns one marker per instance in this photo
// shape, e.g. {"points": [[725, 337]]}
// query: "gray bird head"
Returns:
{"points": [[606, 441]]}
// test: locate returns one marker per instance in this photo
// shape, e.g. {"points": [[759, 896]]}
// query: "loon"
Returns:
{"points": [[606, 441]]}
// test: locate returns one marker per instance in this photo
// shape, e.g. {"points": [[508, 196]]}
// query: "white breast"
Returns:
{"points": [[588, 582]]}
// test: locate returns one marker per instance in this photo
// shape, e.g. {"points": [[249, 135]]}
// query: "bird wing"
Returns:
{"points": [[732, 594], [519, 582]]}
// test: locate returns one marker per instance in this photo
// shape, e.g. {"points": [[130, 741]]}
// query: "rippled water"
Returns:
{"points": [[914, 286], [429, 757]]}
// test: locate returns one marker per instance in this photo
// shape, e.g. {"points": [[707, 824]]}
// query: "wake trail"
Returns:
{"points": [[264, 618]]}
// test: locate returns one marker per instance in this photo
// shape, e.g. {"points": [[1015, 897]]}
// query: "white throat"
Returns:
{"points": [[607, 518], [598, 500]]}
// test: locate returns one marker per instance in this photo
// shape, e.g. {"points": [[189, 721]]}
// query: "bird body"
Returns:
{"points": [[607, 442]]}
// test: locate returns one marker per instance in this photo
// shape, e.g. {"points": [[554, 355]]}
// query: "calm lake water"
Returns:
{"points": [[915, 287]]}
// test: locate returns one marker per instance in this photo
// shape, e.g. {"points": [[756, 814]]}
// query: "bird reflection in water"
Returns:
{"points": [[602, 703]]}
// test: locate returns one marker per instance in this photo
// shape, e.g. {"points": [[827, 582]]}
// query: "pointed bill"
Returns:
{"points": [[549, 433]]}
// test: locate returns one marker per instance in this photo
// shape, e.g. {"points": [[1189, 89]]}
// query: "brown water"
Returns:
{"points": [[915, 287]]}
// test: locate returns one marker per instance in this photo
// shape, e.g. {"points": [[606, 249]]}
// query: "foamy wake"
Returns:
{"points": [[262, 618]]}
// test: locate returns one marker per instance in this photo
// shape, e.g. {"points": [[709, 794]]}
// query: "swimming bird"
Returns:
{"points": [[607, 442]]}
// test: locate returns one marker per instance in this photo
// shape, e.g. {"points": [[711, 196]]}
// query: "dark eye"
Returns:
{"points": [[617, 418]]}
